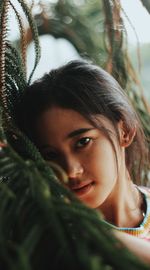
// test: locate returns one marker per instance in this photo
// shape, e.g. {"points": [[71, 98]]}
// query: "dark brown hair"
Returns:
{"points": [[89, 90]]}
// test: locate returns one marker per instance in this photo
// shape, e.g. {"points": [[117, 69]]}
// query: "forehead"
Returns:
{"points": [[58, 122], [60, 119]]}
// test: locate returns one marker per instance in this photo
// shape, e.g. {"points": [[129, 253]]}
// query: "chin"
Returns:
{"points": [[92, 204]]}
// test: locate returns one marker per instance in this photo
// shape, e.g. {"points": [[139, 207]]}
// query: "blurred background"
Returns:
{"points": [[70, 29]]}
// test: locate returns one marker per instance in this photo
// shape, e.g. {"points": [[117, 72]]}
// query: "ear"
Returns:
{"points": [[126, 135]]}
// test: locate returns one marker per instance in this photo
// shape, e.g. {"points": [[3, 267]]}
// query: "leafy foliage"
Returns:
{"points": [[39, 218], [96, 29], [146, 4], [40, 228]]}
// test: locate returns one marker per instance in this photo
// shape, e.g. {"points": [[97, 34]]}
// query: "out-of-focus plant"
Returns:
{"points": [[96, 29], [39, 218]]}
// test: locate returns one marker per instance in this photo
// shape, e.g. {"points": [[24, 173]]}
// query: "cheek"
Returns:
{"points": [[100, 166], [101, 161]]}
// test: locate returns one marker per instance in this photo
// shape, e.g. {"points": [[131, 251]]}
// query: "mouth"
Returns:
{"points": [[84, 189]]}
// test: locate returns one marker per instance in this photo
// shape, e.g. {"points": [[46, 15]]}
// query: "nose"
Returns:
{"points": [[74, 168]]}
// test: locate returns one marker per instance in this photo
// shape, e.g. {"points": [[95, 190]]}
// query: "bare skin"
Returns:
{"points": [[68, 139], [87, 156]]}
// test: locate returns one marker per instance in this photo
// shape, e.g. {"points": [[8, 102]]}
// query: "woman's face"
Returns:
{"points": [[64, 136]]}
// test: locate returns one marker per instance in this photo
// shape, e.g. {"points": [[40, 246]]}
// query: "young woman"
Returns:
{"points": [[79, 117]]}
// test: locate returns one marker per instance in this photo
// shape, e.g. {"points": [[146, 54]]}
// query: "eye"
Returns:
{"points": [[83, 142], [50, 155]]}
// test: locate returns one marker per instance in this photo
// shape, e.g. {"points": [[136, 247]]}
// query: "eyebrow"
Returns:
{"points": [[71, 135], [78, 132]]}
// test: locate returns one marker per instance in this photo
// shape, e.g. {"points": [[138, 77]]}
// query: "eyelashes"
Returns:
{"points": [[79, 144], [83, 142]]}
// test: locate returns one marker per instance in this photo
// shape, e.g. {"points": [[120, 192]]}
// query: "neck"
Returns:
{"points": [[123, 207]]}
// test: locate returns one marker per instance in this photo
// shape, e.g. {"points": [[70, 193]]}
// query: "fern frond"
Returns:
{"points": [[3, 28], [35, 35], [22, 33], [36, 220], [13, 55], [14, 82]]}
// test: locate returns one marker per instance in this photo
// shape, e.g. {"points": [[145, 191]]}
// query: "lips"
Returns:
{"points": [[81, 188]]}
